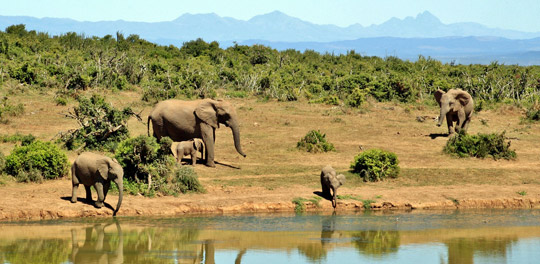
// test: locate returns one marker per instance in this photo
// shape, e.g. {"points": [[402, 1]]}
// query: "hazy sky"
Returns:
{"points": [[521, 15]]}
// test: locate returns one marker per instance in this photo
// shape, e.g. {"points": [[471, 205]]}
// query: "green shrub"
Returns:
{"points": [[357, 97], [24, 139], [101, 126], [376, 165], [37, 158], [315, 141], [480, 146], [533, 113], [143, 156]]}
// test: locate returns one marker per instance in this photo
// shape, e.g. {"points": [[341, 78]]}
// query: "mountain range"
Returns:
{"points": [[406, 38]]}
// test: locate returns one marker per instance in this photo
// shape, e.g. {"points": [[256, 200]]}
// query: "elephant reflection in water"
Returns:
{"points": [[318, 251], [208, 253], [463, 250], [98, 249]]}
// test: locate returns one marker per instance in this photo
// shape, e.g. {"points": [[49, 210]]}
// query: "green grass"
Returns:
{"points": [[300, 203]]}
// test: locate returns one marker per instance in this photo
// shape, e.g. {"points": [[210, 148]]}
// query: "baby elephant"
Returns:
{"points": [[329, 180], [189, 147], [96, 170]]}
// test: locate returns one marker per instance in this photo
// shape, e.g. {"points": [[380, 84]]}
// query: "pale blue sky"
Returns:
{"points": [[521, 15]]}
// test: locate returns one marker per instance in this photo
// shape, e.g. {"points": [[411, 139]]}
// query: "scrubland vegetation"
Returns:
{"points": [[70, 69]]}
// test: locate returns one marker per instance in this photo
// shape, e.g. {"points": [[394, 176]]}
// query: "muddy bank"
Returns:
{"points": [[51, 200]]}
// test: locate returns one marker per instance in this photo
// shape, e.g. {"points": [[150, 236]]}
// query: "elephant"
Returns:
{"points": [[96, 170], [457, 106], [98, 248], [330, 180], [189, 147], [184, 120]]}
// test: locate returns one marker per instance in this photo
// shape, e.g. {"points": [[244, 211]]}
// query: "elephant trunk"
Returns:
{"points": [[444, 111], [120, 184], [334, 200], [236, 135]]}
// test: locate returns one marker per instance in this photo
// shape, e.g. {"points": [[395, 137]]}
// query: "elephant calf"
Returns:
{"points": [[331, 181], [189, 147], [96, 170], [456, 106]]}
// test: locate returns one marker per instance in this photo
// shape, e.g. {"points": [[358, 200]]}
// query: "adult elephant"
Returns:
{"points": [[456, 106], [184, 120]]}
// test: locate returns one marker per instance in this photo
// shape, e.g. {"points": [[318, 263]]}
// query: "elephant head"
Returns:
{"points": [[451, 102], [110, 170], [214, 112]]}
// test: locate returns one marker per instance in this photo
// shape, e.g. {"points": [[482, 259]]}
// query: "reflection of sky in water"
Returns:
{"points": [[523, 252]]}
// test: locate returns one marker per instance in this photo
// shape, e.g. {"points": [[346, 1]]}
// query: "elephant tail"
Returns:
{"points": [[148, 125]]}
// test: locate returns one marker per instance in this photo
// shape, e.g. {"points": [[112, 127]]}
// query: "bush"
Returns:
{"points": [[101, 125], [149, 167], [24, 139], [357, 97], [376, 165], [315, 142], [533, 113], [480, 146], [37, 160]]}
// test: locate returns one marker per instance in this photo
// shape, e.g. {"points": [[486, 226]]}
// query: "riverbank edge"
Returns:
{"points": [[270, 207]]}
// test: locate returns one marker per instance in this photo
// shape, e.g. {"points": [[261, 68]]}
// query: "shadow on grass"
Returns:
{"points": [[226, 165]]}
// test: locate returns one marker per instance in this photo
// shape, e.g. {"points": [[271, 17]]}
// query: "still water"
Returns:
{"points": [[486, 236]]}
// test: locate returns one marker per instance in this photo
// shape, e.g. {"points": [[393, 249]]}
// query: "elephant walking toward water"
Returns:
{"points": [[331, 181], [185, 120], [456, 106], [96, 170]]}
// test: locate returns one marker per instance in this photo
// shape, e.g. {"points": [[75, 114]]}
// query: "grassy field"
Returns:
{"points": [[270, 131]]}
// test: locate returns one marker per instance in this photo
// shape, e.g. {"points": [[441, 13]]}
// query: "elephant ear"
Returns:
{"points": [[103, 168], [206, 111], [438, 95], [341, 178], [463, 98]]}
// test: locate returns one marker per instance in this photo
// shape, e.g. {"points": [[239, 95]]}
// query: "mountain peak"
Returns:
{"points": [[427, 17], [272, 16]]}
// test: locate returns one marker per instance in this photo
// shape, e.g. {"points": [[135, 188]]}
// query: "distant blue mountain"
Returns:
{"points": [[406, 38]]}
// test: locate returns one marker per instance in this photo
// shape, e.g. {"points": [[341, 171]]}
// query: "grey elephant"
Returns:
{"points": [[184, 120], [96, 170], [456, 106], [189, 147], [330, 180]]}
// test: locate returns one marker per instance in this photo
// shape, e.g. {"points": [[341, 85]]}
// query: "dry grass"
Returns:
{"points": [[270, 131]]}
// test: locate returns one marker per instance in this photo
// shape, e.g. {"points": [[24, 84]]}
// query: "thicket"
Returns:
{"points": [[315, 141], [375, 165], [71, 62], [149, 168], [36, 161], [101, 126], [480, 146]]}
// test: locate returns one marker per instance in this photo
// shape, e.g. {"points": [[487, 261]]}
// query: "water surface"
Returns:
{"points": [[485, 236]]}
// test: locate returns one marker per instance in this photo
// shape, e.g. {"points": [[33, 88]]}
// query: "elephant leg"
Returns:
{"points": [[106, 187], [466, 124], [101, 198], [75, 183], [461, 121], [208, 139], [450, 123], [88, 193], [325, 191], [194, 157]]}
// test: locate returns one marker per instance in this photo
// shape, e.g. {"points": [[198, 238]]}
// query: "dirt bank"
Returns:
{"points": [[50, 200]]}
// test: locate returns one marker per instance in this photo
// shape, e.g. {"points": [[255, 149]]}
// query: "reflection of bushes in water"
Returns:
{"points": [[462, 250], [35, 251], [376, 242], [313, 251]]}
